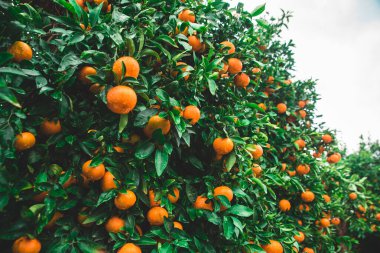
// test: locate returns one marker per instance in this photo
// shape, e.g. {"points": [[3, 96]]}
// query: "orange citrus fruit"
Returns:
{"points": [[300, 238], [300, 143], [284, 205], [129, 248], [307, 250], [20, 51], [229, 45], [273, 247], [174, 198], [93, 173], [84, 72], [326, 138], [26, 245], [326, 198], [108, 182], [121, 99], [132, 67], [50, 127], [114, 224], [281, 108], [124, 201], [335, 221], [324, 222], [156, 216], [223, 146], [156, 122], [177, 225], [241, 80], [353, 196], [187, 16], [195, 43], [255, 150], [303, 169], [183, 69], [24, 141], [223, 191], [234, 66], [307, 196], [257, 170], [203, 203], [192, 113], [301, 104]]}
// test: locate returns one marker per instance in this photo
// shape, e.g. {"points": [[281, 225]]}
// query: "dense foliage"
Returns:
{"points": [[165, 126], [365, 165]]}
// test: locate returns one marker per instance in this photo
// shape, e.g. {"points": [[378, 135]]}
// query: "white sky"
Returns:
{"points": [[338, 43]]}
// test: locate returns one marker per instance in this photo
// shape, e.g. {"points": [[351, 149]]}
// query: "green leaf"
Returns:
{"points": [[195, 162], [231, 159], [141, 42], [147, 11], [119, 17], [98, 56], [106, 196], [213, 217], [162, 95], [4, 199], [191, 192], [258, 181], [260, 64], [143, 117], [165, 248], [198, 27], [13, 71], [89, 246], [240, 210], [180, 55], [144, 150], [123, 122], [237, 223], [97, 160], [168, 147], [31, 72], [35, 209], [34, 14], [70, 59], [168, 40], [7, 95], [77, 8], [144, 240], [163, 50], [5, 57], [161, 161], [211, 86], [150, 52], [228, 227], [75, 38], [41, 82], [68, 204], [94, 14], [130, 46], [263, 23], [255, 106], [255, 248], [224, 201], [66, 5], [185, 45], [258, 10]]}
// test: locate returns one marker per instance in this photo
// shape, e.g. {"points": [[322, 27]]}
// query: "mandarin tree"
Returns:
{"points": [[163, 126]]}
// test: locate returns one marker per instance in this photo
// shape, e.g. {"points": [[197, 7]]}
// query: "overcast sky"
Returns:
{"points": [[338, 43]]}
